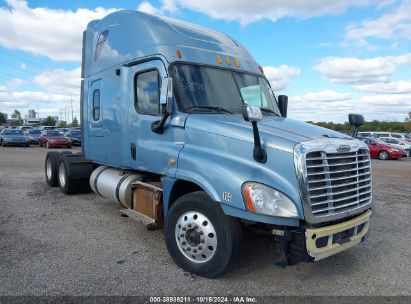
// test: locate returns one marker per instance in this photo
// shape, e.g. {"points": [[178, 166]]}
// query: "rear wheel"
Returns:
{"points": [[200, 238], [73, 173], [383, 155], [67, 184], [50, 168]]}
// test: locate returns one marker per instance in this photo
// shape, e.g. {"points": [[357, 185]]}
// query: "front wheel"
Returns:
{"points": [[383, 155], [200, 238]]}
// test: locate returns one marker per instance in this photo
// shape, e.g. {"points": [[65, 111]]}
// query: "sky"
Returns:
{"points": [[331, 57]]}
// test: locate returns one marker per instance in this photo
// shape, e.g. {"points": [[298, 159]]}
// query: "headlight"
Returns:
{"points": [[394, 150], [7, 139], [262, 199]]}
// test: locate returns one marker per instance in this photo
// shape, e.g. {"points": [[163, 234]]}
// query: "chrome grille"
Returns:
{"points": [[338, 181]]}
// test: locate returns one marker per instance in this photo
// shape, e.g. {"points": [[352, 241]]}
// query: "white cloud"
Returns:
{"points": [[325, 105], [146, 7], [395, 24], [395, 87], [324, 96], [60, 81], [247, 11], [12, 84], [167, 6], [360, 71], [391, 101], [54, 33], [55, 90], [279, 77]]}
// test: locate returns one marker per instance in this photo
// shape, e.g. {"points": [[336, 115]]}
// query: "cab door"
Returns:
{"points": [[149, 151]]}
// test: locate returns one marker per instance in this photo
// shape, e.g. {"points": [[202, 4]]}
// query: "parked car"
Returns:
{"points": [[398, 143], [54, 139], [74, 135], [33, 135], [13, 137], [47, 128], [364, 134], [402, 136], [380, 149], [24, 128]]}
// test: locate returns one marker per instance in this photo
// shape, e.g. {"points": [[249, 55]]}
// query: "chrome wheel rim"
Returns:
{"points": [[48, 169], [62, 175], [196, 237], [384, 155]]}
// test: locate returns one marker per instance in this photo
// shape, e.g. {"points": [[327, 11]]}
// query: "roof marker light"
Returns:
{"points": [[219, 60], [261, 69], [236, 63], [227, 59], [179, 54]]}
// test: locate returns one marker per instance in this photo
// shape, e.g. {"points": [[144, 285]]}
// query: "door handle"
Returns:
{"points": [[133, 151]]}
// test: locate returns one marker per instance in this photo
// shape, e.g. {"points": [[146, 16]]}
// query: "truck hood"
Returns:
{"points": [[275, 132]]}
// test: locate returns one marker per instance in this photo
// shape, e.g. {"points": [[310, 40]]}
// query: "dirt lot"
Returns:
{"points": [[52, 244]]}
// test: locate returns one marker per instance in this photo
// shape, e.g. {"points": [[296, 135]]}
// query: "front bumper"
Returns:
{"points": [[16, 143], [395, 154], [326, 241], [314, 244]]}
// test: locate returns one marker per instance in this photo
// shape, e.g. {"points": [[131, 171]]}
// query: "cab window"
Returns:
{"points": [[147, 95]]}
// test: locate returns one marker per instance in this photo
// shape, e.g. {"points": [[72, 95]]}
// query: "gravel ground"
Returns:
{"points": [[52, 244]]}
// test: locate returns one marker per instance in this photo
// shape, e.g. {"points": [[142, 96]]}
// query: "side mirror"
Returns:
{"points": [[252, 113], [166, 101], [357, 121], [283, 104], [166, 94]]}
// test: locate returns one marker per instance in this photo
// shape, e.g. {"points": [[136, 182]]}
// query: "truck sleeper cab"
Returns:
{"points": [[181, 127]]}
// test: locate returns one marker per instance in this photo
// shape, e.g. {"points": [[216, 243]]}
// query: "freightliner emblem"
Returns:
{"points": [[343, 148]]}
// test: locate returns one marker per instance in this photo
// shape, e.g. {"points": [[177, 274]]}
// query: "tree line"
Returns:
{"points": [[48, 121], [374, 125]]}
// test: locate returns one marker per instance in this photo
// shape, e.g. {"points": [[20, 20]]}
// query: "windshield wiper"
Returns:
{"points": [[218, 109], [267, 110]]}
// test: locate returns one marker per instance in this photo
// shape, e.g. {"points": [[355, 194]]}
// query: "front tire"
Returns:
{"points": [[383, 155], [200, 238]]}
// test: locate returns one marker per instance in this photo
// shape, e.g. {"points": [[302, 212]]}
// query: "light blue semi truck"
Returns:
{"points": [[181, 127]]}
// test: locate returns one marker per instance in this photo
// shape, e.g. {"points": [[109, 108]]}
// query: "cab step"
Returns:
{"points": [[148, 222]]}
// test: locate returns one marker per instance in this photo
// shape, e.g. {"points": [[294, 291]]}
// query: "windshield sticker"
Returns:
{"points": [[193, 86]]}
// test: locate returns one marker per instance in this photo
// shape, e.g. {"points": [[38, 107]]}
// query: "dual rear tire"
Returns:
{"points": [[68, 171]]}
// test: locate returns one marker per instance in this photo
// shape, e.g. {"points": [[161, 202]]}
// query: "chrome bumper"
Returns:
{"points": [[335, 245]]}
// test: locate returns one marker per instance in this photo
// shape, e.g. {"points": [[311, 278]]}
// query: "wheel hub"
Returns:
{"points": [[193, 237], [62, 175], [196, 237]]}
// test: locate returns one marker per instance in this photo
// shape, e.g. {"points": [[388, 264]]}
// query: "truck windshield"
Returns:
{"points": [[202, 89]]}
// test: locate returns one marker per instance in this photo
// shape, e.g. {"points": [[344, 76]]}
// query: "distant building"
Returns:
{"points": [[32, 121], [32, 114]]}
